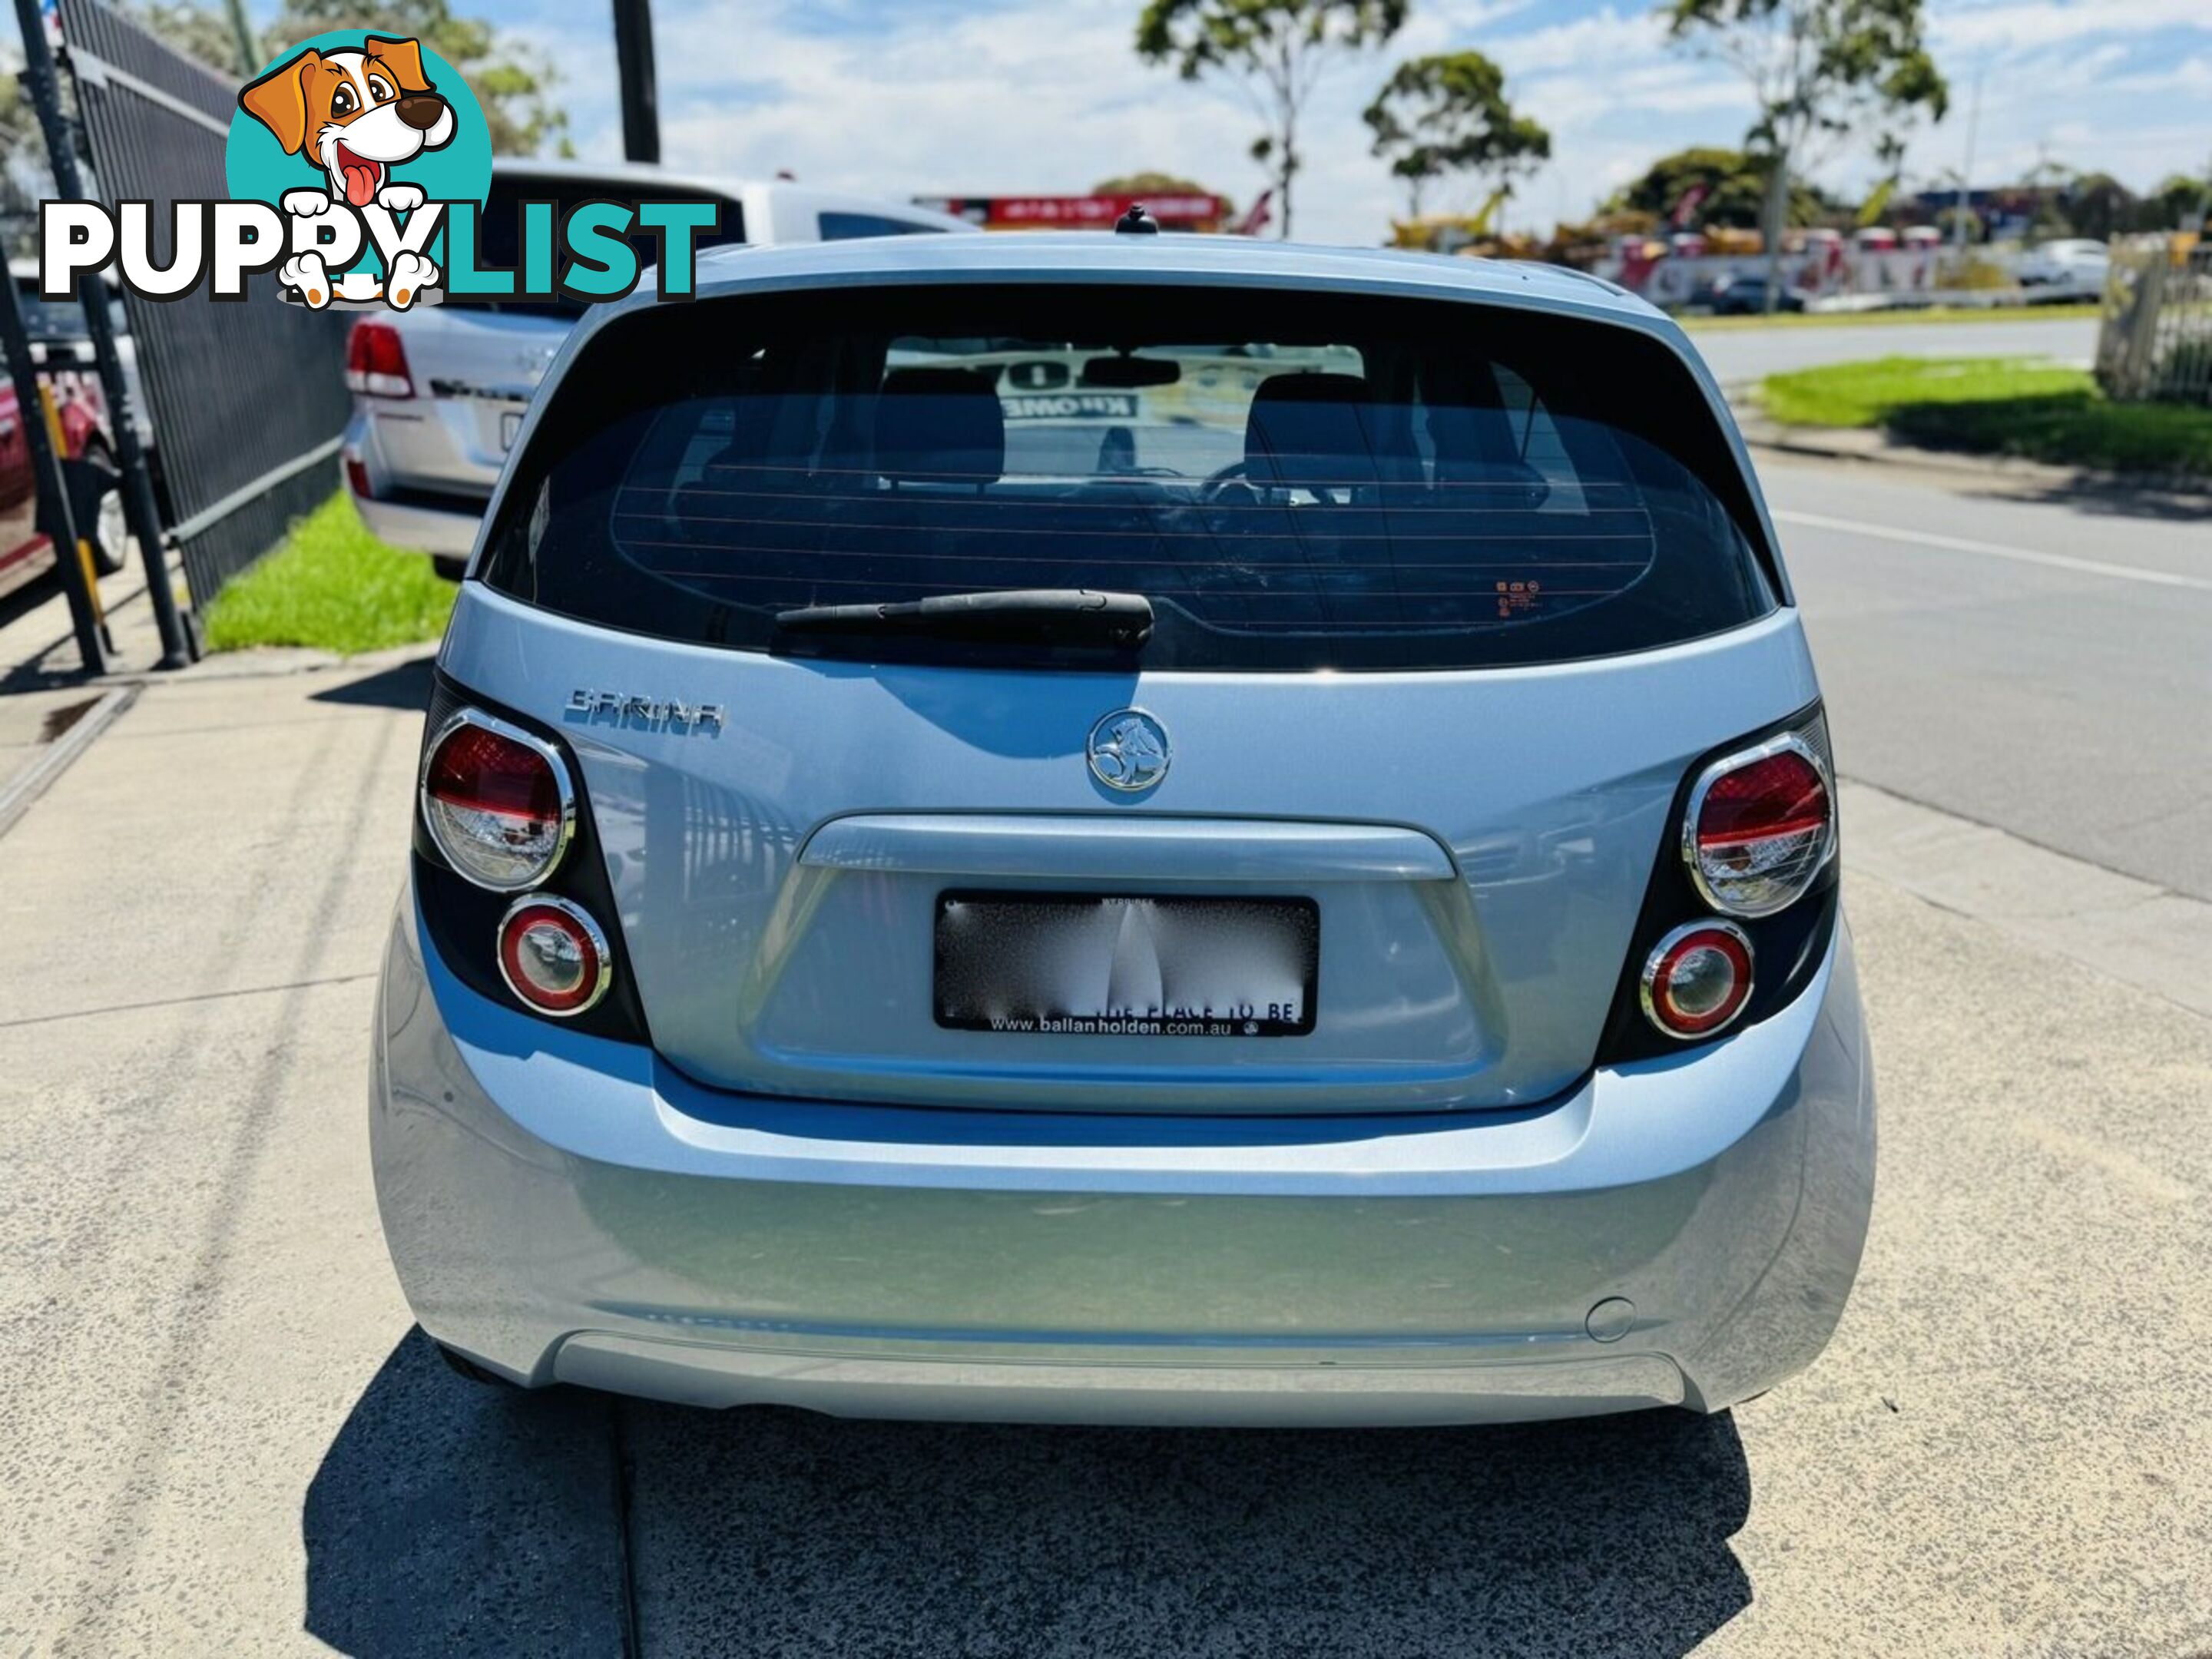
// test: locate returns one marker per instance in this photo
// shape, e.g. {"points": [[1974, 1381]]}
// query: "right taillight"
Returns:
{"points": [[1760, 826], [376, 362], [496, 801]]}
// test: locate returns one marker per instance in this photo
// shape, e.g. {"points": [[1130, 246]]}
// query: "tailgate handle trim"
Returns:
{"points": [[1152, 848]]}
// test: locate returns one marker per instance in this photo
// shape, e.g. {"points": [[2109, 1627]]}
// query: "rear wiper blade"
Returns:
{"points": [[1052, 616]]}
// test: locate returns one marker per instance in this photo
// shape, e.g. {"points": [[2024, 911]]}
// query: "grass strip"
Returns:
{"points": [[2022, 406], [333, 587]]}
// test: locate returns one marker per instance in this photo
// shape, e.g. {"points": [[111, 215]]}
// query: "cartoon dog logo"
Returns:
{"points": [[357, 115]]}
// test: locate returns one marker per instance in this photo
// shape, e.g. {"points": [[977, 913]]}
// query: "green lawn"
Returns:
{"points": [[2021, 406], [1894, 319], [334, 586]]}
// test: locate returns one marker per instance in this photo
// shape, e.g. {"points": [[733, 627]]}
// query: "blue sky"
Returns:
{"points": [[900, 97]]}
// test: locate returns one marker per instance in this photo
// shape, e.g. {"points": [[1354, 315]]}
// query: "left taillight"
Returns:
{"points": [[1761, 825], [497, 802], [376, 360], [554, 956]]}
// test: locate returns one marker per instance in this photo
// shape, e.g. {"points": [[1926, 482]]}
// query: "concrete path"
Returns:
{"points": [[217, 1435]]}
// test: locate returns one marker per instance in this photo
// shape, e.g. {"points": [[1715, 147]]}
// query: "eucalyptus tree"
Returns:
{"points": [[1818, 70], [1273, 51], [1448, 113]]}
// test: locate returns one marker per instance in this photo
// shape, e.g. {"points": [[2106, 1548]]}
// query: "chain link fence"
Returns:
{"points": [[2156, 338]]}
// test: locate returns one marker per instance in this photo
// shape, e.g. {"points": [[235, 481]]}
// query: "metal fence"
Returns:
{"points": [[247, 400], [2156, 338]]}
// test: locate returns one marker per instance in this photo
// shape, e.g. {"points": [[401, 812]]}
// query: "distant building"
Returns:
{"points": [[1174, 212]]}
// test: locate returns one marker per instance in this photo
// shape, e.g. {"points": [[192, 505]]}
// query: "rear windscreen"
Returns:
{"points": [[1293, 480]]}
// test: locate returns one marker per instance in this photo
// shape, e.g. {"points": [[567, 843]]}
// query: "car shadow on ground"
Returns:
{"points": [[404, 686], [448, 1517]]}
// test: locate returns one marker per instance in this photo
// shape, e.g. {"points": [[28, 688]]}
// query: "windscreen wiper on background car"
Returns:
{"points": [[1043, 616]]}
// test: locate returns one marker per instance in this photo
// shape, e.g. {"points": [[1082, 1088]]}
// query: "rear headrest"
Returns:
{"points": [[1312, 431], [941, 425]]}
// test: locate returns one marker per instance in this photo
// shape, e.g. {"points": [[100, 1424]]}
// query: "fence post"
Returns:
{"points": [[139, 508], [57, 518]]}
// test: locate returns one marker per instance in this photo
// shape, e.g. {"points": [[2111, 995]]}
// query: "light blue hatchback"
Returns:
{"points": [[1122, 829]]}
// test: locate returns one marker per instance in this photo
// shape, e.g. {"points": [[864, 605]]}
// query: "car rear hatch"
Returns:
{"points": [[1364, 824]]}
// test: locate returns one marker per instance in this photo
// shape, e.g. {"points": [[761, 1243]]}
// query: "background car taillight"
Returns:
{"points": [[496, 801], [554, 956], [1698, 979], [376, 362], [1760, 826]]}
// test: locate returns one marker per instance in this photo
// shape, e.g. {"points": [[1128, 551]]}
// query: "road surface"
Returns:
{"points": [[2043, 664], [1750, 353]]}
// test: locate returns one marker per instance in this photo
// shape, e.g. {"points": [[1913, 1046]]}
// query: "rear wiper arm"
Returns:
{"points": [[1051, 615]]}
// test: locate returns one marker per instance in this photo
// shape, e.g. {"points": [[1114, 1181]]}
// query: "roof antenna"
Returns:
{"points": [[1137, 222]]}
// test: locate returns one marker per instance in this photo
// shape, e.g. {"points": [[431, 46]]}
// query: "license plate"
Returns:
{"points": [[1106, 965], [510, 423]]}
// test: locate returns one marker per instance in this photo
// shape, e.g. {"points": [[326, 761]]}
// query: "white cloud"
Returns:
{"points": [[2013, 25]]}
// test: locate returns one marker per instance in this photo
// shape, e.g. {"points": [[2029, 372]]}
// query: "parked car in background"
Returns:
{"points": [[60, 323], [88, 463], [440, 390], [1126, 829], [1746, 296], [2069, 268]]}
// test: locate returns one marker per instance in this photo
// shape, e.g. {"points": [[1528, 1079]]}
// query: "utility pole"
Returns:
{"points": [[640, 97], [43, 83], [249, 56], [1966, 176]]}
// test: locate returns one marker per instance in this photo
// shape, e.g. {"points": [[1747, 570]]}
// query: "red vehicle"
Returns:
{"points": [[88, 459]]}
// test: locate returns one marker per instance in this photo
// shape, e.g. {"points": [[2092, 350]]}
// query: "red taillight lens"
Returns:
{"points": [[497, 802], [554, 956], [1760, 826], [357, 479], [376, 362], [1698, 979]]}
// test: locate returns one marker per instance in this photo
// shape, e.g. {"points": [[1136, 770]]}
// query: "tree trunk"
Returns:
{"points": [[1774, 219]]}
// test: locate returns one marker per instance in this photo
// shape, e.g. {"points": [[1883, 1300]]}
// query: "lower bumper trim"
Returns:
{"points": [[1213, 1387]]}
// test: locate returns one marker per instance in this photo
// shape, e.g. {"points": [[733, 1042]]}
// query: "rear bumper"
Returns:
{"points": [[442, 523], [561, 1208]]}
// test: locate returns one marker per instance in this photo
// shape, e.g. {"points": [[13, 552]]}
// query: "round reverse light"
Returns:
{"points": [[1698, 979], [1760, 826], [554, 956], [497, 802]]}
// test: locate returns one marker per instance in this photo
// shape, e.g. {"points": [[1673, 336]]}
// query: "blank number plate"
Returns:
{"points": [[1104, 965]]}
